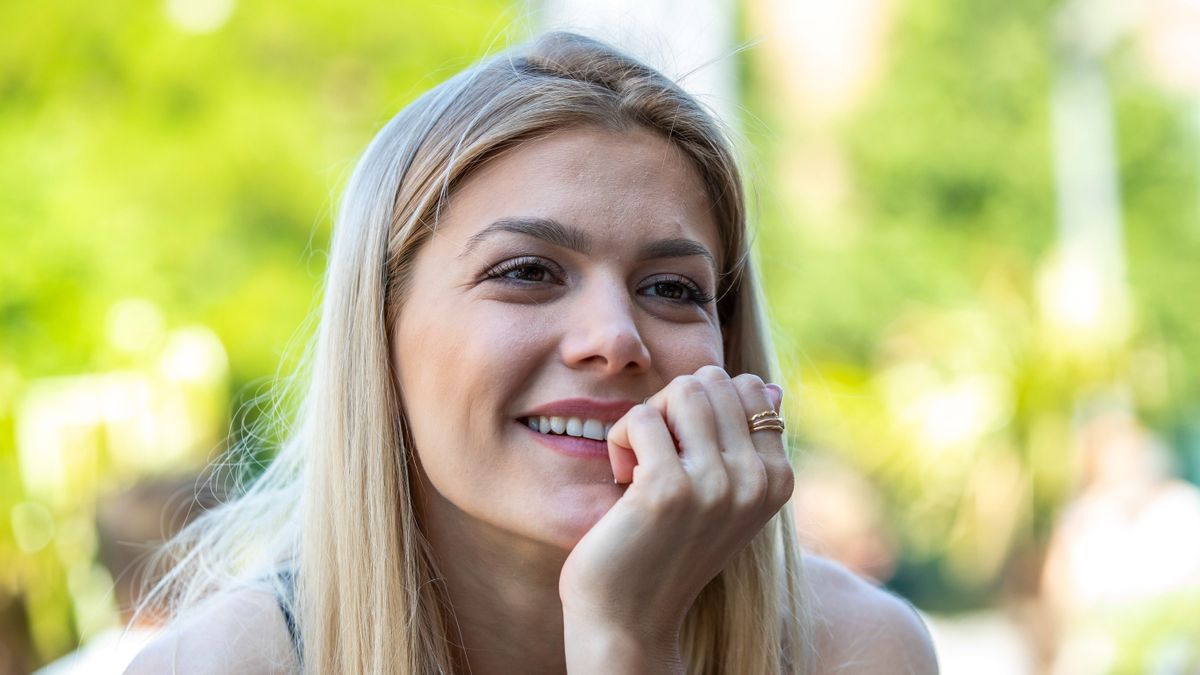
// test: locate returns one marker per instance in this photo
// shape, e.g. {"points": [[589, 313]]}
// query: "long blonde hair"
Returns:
{"points": [[336, 504]]}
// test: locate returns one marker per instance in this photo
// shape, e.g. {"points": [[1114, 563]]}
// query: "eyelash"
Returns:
{"points": [[499, 271], [696, 295]]}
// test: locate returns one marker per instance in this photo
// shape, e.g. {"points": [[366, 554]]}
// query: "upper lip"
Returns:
{"points": [[584, 408]]}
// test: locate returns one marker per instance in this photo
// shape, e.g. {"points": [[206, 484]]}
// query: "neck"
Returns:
{"points": [[503, 590]]}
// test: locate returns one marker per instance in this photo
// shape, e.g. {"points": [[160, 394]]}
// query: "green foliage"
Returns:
{"points": [[909, 307], [195, 170], [136, 151]]}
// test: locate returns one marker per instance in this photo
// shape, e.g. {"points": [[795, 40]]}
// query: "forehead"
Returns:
{"points": [[628, 186]]}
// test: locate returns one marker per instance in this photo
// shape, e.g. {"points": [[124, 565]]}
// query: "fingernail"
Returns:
{"points": [[776, 394]]}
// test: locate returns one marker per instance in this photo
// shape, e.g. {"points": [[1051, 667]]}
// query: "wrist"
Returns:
{"points": [[594, 646]]}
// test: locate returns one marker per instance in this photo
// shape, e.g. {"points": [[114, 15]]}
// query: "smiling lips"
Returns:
{"points": [[571, 426], [576, 418]]}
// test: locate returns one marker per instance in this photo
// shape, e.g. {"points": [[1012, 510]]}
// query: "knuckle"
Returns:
{"points": [[671, 494], [718, 499], [760, 481], [716, 486], [678, 380], [753, 485], [782, 480], [784, 488], [777, 465], [642, 412], [722, 493], [712, 373], [687, 386], [749, 380]]}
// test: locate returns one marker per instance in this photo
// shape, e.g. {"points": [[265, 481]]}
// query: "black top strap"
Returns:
{"points": [[285, 602]]}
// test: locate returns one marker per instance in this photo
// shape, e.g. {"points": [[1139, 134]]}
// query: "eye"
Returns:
{"points": [[670, 289], [676, 288], [525, 270], [526, 273]]}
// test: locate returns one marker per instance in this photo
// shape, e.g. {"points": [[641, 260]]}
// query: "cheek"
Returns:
{"points": [[458, 370], [492, 349], [682, 351]]}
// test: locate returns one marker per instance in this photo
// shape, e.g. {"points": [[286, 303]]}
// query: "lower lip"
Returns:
{"points": [[584, 448]]}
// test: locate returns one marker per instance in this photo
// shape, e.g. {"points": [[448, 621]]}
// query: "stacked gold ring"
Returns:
{"points": [[767, 420]]}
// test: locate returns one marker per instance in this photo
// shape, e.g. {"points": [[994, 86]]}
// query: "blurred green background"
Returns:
{"points": [[168, 175]]}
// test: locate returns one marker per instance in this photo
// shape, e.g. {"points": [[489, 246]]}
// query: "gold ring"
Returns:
{"points": [[767, 420]]}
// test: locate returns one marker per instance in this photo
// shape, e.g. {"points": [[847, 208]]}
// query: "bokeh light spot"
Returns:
{"points": [[194, 355], [199, 16], [134, 325], [33, 526]]}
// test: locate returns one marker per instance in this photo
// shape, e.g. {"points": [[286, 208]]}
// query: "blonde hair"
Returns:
{"points": [[367, 593]]}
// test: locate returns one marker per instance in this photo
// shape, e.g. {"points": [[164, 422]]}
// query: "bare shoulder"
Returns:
{"points": [[238, 632], [861, 628]]}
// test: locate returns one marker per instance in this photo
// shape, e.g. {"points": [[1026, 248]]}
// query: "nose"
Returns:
{"points": [[603, 333]]}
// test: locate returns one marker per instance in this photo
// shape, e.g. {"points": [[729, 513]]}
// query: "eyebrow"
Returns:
{"points": [[565, 236]]}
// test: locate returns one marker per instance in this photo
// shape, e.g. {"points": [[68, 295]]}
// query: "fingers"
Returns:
{"points": [[688, 413], [699, 425], [622, 458], [733, 430], [776, 474], [641, 438], [775, 392], [757, 397]]}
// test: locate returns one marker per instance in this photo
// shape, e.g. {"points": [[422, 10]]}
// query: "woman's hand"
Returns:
{"points": [[701, 486]]}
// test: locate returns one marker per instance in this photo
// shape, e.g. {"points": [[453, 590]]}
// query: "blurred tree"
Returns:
{"points": [[185, 154], [906, 258]]}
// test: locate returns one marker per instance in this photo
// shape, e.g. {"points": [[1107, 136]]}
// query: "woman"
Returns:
{"points": [[521, 449]]}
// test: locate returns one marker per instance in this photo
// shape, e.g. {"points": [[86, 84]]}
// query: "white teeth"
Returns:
{"points": [[594, 430], [570, 426], [574, 426]]}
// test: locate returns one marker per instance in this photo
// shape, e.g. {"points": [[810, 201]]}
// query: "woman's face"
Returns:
{"points": [[571, 277]]}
